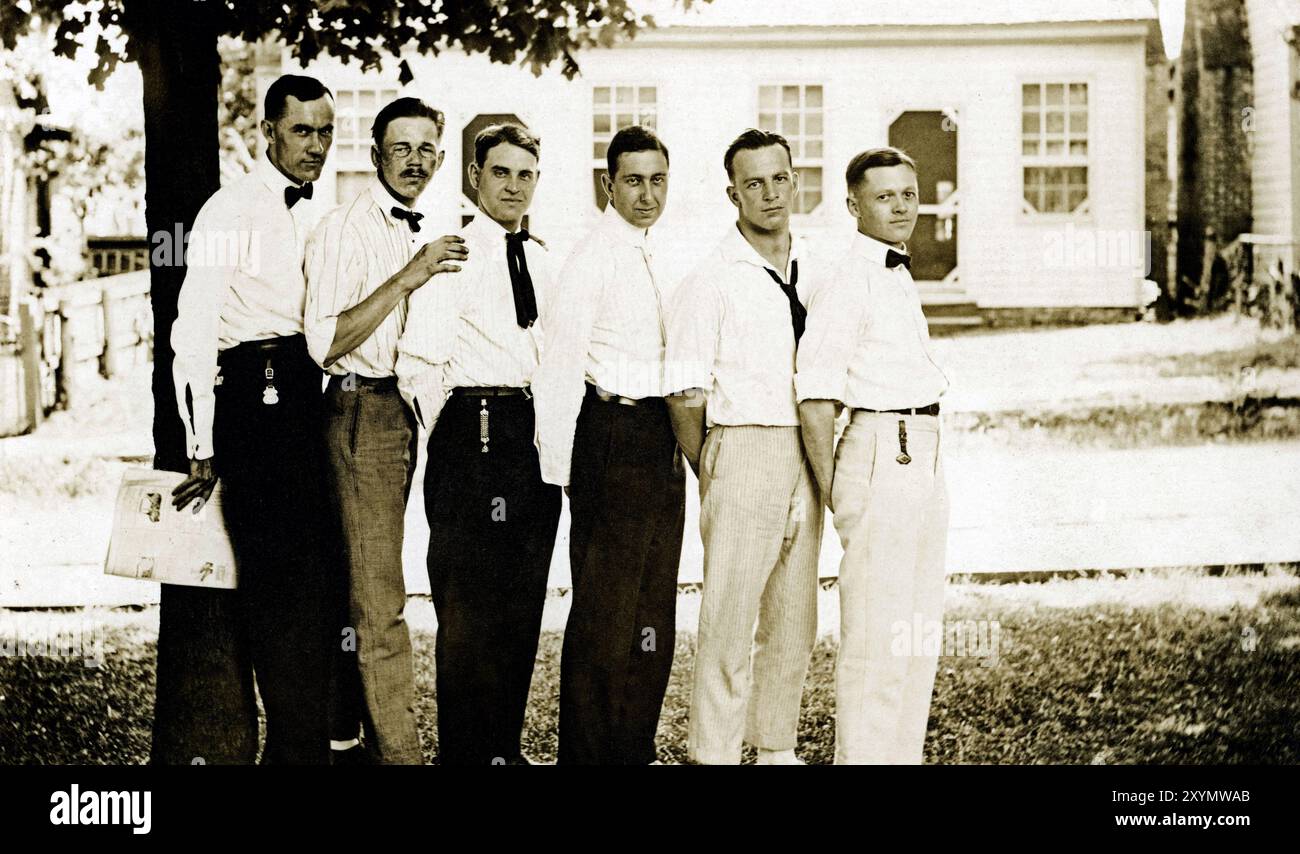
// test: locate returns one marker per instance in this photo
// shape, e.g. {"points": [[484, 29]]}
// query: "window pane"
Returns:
{"points": [[624, 94], [810, 178], [808, 202], [812, 123], [600, 123], [1077, 175], [647, 94], [600, 95], [1079, 147], [790, 97], [347, 127], [648, 119], [1078, 93], [1053, 200], [1030, 123], [1077, 196], [1029, 93], [812, 149], [599, 149], [1055, 121], [1029, 146], [768, 97], [1055, 94], [366, 100], [1055, 146], [767, 121], [624, 120], [790, 124], [1078, 121], [813, 97]]}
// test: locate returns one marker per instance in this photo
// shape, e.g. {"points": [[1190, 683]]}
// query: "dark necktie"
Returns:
{"points": [[520, 282], [293, 193], [412, 218], [893, 259], [798, 314]]}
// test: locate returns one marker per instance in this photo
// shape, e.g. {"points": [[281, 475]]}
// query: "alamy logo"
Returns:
{"points": [[91, 807]]}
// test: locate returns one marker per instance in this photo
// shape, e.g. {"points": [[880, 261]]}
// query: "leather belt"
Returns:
{"points": [[491, 391], [932, 409], [610, 397], [380, 383]]}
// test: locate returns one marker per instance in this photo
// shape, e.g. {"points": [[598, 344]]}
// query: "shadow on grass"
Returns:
{"points": [[1102, 684]]}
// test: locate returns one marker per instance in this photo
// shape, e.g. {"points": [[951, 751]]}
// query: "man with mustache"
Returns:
{"points": [[605, 436], [732, 334], [250, 397], [868, 348], [364, 261], [466, 361]]}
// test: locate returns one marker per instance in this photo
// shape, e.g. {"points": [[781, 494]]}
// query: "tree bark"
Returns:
{"points": [[203, 690]]}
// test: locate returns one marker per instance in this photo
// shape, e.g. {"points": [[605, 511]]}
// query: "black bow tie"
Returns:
{"points": [[293, 193], [893, 259], [798, 314], [520, 281], [412, 218]]}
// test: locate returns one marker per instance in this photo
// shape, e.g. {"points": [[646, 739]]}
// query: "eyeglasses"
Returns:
{"points": [[401, 151]]}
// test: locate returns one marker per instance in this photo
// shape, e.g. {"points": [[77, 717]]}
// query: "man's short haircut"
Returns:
{"points": [[630, 140], [873, 158], [493, 135], [752, 139], [405, 108], [296, 85]]}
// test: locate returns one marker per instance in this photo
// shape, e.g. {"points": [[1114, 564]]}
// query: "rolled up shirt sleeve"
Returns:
{"points": [[694, 325], [336, 276], [420, 365], [560, 382], [195, 337], [828, 344]]}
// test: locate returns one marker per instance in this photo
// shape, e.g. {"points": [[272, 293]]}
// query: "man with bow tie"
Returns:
{"points": [[250, 397], [868, 348], [733, 329], [466, 361], [364, 261]]}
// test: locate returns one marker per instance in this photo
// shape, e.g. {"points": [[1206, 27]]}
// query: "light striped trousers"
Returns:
{"points": [[761, 523], [892, 519]]}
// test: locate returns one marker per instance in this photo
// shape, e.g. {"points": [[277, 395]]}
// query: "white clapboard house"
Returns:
{"points": [[1026, 117]]}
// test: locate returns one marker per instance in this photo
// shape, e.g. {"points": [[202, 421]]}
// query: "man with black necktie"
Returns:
{"points": [[250, 397], [465, 363], [363, 261]]}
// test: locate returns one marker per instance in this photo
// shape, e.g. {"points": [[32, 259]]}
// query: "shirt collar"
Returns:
{"points": [[273, 178], [385, 201], [735, 248], [486, 228], [872, 249], [613, 224]]}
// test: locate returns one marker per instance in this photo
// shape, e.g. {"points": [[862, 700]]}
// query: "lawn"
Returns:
{"points": [[1180, 667]]}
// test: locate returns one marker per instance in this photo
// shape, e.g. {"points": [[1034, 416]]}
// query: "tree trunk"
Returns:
{"points": [[203, 690]]}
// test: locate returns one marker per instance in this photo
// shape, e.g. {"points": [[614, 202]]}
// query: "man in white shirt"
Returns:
{"points": [[363, 261], [465, 362], [732, 333], [606, 437], [868, 348], [250, 397]]}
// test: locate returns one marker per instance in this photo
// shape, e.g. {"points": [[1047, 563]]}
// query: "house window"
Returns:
{"points": [[1054, 146], [354, 116], [612, 109], [795, 112]]}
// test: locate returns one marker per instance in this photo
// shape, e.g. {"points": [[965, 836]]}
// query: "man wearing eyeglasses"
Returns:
{"points": [[363, 262]]}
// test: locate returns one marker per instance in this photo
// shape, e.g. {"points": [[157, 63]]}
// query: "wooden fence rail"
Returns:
{"points": [[66, 334]]}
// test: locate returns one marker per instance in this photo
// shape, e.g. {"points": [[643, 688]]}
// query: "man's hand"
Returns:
{"points": [[444, 255], [198, 485]]}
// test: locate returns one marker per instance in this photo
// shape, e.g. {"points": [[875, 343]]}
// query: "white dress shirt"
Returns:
{"points": [[461, 330], [867, 344], [355, 249], [730, 333], [243, 282], [604, 325]]}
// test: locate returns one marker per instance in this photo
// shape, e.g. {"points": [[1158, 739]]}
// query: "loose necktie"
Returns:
{"points": [[798, 314], [293, 193], [412, 218], [893, 259], [520, 281]]}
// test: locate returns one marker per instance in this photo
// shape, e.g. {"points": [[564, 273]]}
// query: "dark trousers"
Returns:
{"points": [[492, 526], [627, 502], [371, 442], [276, 627]]}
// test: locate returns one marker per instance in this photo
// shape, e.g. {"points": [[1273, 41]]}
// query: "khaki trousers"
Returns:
{"points": [[892, 519], [761, 523]]}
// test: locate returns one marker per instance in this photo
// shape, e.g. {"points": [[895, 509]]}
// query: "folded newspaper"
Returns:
{"points": [[154, 541]]}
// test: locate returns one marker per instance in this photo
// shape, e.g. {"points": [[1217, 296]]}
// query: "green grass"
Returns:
{"points": [[1088, 671]]}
